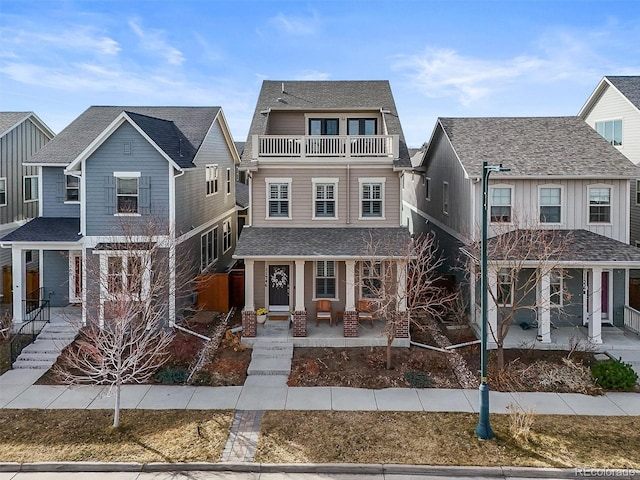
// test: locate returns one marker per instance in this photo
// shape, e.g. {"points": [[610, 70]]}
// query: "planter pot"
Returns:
{"points": [[261, 318]]}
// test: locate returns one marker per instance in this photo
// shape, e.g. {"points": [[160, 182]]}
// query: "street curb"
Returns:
{"points": [[336, 468]]}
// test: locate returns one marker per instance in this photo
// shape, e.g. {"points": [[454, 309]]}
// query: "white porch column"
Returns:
{"points": [[248, 285], [299, 307], [595, 322], [17, 282], [544, 309], [401, 278], [492, 308], [350, 299]]}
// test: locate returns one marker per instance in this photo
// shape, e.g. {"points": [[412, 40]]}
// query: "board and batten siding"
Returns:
{"points": [[53, 195], [110, 158], [302, 196], [193, 206], [17, 146], [575, 214]]}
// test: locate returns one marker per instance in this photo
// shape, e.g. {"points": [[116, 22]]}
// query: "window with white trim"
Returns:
{"points": [[228, 181], [556, 287], [445, 198], [324, 126], [278, 200], [208, 248], [324, 200], [127, 194], [550, 204], [504, 294], [637, 192], [371, 199], [226, 235], [72, 189], [3, 192], [599, 205], [426, 183], [31, 189], [500, 201], [611, 130], [127, 274], [325, 279], [211, 178], [371, 275]]}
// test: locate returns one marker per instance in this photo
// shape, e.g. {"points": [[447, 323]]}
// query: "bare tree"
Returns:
{"points": [[132, 281], [402, 283], [518, 257]]}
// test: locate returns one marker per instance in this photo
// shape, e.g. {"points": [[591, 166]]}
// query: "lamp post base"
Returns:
{"points": [[483, 430]]}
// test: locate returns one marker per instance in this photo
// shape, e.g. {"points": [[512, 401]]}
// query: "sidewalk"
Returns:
{"points": [[17, 391]]}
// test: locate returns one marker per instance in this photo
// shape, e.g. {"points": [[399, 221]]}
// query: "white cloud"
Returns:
{"points": [[152, 41], [312, 75], [296, 25]]}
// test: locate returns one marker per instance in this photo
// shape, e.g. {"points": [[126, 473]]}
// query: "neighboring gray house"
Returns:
{"points": [[324, 161], [22, 134], [563, 177], [613, 110], [172, 166]]}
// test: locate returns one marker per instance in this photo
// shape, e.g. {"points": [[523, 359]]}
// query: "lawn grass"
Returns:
{"points": [[446, 439], [86, 435]]}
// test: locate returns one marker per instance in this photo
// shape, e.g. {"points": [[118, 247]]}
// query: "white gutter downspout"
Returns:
{"points": [[172, 247], [348, 194]]}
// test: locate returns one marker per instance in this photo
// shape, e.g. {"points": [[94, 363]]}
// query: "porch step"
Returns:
{"points": [[43, 346], [277, 324], [36, 365], [272, 350], [269, 366], [45, 350], [37, 357]]}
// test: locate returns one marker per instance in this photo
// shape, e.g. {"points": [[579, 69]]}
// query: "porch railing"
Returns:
{"points": [[37, 314], [301, 146], [632, 319]]}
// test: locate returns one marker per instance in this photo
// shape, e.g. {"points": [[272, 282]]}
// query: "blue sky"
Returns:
{"points": [[443, 58]]}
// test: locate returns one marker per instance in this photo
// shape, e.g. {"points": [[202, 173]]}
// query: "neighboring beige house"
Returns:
{"points": [[613, 110], [325, 161]]}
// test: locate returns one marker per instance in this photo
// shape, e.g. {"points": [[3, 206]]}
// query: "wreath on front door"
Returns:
{"points": [[279, 278]]}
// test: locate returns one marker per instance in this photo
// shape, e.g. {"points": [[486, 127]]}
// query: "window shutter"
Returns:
{"points": [[145, 195], [110, 195], [60, 190]]}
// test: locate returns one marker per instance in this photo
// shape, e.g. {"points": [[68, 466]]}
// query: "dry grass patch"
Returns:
{"points": [[447, 439], [86, 435]]}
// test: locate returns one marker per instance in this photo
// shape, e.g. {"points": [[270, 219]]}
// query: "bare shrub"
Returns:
{"points": [[520, 423]]}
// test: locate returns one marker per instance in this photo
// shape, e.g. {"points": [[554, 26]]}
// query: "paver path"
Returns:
{"points": [[243, 438]]}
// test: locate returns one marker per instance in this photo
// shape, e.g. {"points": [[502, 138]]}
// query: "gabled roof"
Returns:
{"points": [[550, 147], [327, 95], [10, 120], [627, 86], [186, 125]]}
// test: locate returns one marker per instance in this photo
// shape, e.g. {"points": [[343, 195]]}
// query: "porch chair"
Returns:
{"points": [[365, 311], [323, 311]]}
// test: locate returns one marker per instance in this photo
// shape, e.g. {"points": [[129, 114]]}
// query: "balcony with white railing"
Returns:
{"points": [[304, 146]]}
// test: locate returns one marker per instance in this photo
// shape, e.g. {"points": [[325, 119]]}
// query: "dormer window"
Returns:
{"points": [[361, 126]]}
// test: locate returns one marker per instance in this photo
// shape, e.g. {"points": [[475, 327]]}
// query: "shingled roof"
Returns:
{"points": [[172, 128], [318, 242], [46, 229], [629, 86], [535, 146], [327, 95], [8, 120]]}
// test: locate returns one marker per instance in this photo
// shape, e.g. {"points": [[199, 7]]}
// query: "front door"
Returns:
{"points": [[279, 280], [605, 297]]}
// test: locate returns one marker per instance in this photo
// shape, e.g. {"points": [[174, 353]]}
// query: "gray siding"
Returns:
{"points": [[53, 195], [55, 273], [109, 158], [17, 146]]}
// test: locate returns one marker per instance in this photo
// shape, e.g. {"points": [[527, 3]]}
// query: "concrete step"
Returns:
{"points": [[37, 357], [60, 329], [45, 346], [277, 324], [266, 381], [62, 336], [269, 366], [273, 348], [39, 365]]}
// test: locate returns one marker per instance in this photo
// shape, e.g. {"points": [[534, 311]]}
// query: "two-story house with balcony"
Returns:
{"points": [[114, 174], [563, 177], [22, 134], [324, 161], [613, 110]]}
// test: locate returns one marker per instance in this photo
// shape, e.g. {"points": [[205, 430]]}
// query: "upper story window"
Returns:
{"points": [[226, 235], [278, 197], [611, 130], [426, 183], [325, 279], [324, 199], [228, 181], [126, 194], [324, 126], [3, 192], [31, 189], [600, 205], [211, 177], [362, 126], [550, 200], [500, 201], [72, 189], [637, 192], [208, 248], [445, 198], [372, 198]]}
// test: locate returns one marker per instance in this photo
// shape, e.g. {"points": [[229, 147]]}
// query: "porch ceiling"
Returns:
{"points": [[574, 246], [46, 229], [320, 242]]}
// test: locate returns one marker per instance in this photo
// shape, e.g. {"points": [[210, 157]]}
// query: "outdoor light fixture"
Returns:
{"points": [[483, 430]]}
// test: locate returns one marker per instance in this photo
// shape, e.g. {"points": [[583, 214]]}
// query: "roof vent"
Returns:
{"points": [[283, 88]]}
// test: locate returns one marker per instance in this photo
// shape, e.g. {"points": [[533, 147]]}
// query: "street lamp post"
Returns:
{"points": [[483, 430]]}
